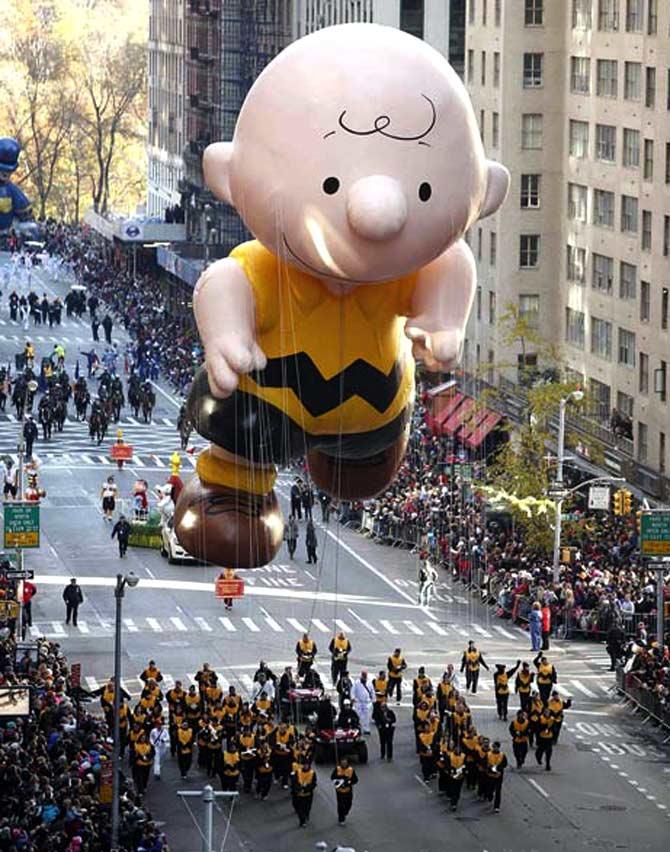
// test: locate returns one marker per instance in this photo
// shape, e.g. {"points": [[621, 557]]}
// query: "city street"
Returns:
{"points": [[610, 787]]}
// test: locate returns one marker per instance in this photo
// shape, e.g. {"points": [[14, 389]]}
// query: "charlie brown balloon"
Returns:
{"points": [[358, 166]]}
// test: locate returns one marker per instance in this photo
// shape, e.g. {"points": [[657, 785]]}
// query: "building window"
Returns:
{"points": [[484, 12], [472, 11], [666, 236], [667, 162], [648, 171], [650, 88], [531, 131], [575, 328], [642, 439], [652, 17], [645, 301], [529, 309], [646, 230], [632, 81], [608, 15], [479, 303], [579, 140], [580, 75], [498, 12], [480, 242], [530, 191], [606, 143], [631, 148], [582, 14], [471, 66], [603, 273], [490, 370], [601, 338], [626, 347], [493, 248], [664, 309], [529, 251], [532, 70], [576, 264], [495, 130], [483, 69], [607, 72], [600, 394], [496, 70], [661, 381], [534, 13], [661, 452], [577, 202], [492, 308], [603, 208], [643, 374], [627, 281], [629, 214], [482, 124], [625, 404], [634, 16], [411, 17]]}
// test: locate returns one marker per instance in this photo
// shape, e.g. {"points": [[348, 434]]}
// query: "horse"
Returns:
{"points": [[81, 399], [45, 417], [97, 425], [19, 396], [4, 387], [117, 399], [184, 427], [148, 399], [60, 413], [134, 397]]}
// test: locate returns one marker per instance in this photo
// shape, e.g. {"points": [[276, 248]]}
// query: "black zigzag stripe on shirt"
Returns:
{"points": [[319, 395]]}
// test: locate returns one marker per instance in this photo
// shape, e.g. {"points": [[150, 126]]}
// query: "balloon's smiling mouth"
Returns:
{"points": [[322, 273]]}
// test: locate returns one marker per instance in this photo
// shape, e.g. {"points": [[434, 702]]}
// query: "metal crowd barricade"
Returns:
{"points": [[629, 685]]}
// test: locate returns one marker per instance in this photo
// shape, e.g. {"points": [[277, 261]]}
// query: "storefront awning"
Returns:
{"points": [[448, 406], [472, 423], [459, 416], [486, 426]]}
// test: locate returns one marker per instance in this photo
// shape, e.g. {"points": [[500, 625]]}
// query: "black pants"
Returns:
{"points": [[545, 640], [394, 685], [427, 766], [185, 760], [291, 544], [247, 775], [302, 806], [344, 803], [141, 777], [557, 730], [520, 752], [545, 691], [471, 680], [471, 774], [71, 613], [524, 701], [501, 703], [303, 668], [337, 669], [386, 742], [282, 767], [263, 783], [296, 507], [494, 791], [28, 614], [123, 546], [228, 782], [544, 749], [311, 554], [454, 786]]}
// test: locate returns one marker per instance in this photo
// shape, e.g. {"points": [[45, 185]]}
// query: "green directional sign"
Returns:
{"points": [[22, 525], [655, 534]]}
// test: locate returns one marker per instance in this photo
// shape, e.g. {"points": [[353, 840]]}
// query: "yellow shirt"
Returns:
{"points": [[302, 327]]}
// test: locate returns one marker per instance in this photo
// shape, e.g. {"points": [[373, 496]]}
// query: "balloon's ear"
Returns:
{"points": [[497, 185], [216, 167]]}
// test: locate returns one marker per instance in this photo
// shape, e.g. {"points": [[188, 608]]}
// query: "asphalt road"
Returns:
{"points": [[610, 788]]}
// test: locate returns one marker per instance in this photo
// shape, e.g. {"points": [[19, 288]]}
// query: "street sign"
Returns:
{"points": [[9, 609], [655, 534], [570, 516], [22, 525], [75, 674], [599, 497], [557, 492], [20, 575]]}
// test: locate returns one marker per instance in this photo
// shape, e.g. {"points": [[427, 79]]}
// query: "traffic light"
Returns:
{"points": [[627, 502], [618, 502]]}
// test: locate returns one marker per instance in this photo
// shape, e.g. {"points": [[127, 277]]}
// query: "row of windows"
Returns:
{"points": [[608, 11], [635, 151], [603, 210], [607, 79], [533, 12], [529, 248], [601, 337]]}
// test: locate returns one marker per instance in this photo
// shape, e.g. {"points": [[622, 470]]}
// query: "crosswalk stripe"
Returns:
{"points": [[159, 463], [34, 630], [131, 627], [137, 462], [190, 676], [167, 422], [504, 632], [83, 627], [461, 632], [167, 682], [388, 626], [202, 624], [343, 625], [582, 689], [562, 690], [273, 625], [365, 623], [104, 460], [91, 682], [297, 625], [413, 628], [247, 682], [154, 625], [224, 684], [481, 631], [193, 461], [227, 623], [57, 628], [251, 625], [178, 623], [133, 421], [320, 625], [604, 688], [87, 459], [436, 627]]}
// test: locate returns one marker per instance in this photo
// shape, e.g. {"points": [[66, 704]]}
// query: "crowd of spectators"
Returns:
{"points": [[51, 760], [650, 675]]}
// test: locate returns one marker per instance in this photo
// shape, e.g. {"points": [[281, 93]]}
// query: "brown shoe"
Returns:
{"points": [[227, 527], [356, 479]]}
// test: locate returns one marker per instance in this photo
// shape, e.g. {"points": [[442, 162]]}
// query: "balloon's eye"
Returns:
{"points": [[331, 185], [425, 191]]}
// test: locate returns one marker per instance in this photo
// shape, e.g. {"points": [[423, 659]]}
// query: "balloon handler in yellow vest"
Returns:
{"points": [[358, 166]]}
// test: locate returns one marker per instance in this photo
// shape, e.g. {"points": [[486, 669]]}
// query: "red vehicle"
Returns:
{"points": [[338, 742]]}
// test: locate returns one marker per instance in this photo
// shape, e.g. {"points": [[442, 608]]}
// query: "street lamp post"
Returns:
{"points": [[122, 581], [578, 396]]}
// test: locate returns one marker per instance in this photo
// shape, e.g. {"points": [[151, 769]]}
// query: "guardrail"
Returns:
{"points": [[635, 692]]}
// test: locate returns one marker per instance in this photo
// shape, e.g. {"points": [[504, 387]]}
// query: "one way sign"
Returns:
{"points": [[20, 575]]}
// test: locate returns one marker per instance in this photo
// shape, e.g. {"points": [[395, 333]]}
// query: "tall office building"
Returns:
{"points": [[166, 104], [574, 97]]}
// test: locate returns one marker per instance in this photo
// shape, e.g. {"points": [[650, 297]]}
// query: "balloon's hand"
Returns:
{"points": [[438, 350], [228, 357]]}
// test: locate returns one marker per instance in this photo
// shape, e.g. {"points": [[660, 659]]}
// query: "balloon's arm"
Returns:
{"points": [[225, 311], [440, 307]]}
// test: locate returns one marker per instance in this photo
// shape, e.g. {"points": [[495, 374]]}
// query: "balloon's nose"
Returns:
{"points": [[376, 207]]}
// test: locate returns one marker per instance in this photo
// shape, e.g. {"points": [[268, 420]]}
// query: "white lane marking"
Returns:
{"points": [[167, 395], [388, 626], [191, 677], [623, 774], [413, 628], [297, 625], [133, 421], [273, 625], [251, 625], [91, 682], [247, 682], [178, 623], [504, 632], [436, 628], [83, 627], [481, 631], [662, 807], [423, 783], [158, 462], [87, 459], [539, 789], [320, 625], [227, 623], [583, 689], [57, 628], [168, 682], [202, 624], [365, 623], [167, 422], [154, 625], [562, 690], [461, 632], [137, 462], [343, 625]]}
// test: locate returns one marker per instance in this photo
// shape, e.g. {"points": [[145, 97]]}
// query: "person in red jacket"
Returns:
{"points": [[546, 626], [29, 592]]}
